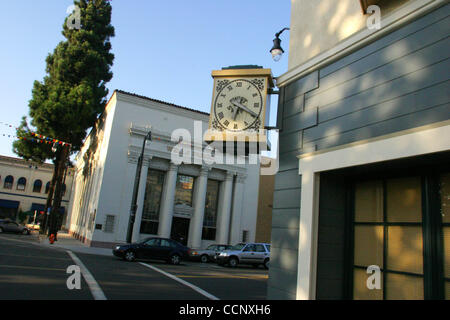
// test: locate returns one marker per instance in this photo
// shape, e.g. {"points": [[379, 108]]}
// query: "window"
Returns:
{"points": [[152, 242], [63, 189], [249, 248], [109, 224], [210, 215], [244, 235], [21, 184], [397, 226], [183, 191], [47, 187], [37, 186], [9, 181], [152, 200], [259, 248], [167, 243]]}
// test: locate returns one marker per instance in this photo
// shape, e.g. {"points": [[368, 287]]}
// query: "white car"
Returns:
{"points": [[246, 253]]}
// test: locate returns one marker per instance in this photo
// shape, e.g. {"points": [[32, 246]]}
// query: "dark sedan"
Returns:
{"points": [[153, 248]]}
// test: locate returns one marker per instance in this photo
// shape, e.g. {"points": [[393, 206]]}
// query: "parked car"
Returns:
{"points": [[246, 253], [13, 227], [153, 248], [208, 254]]}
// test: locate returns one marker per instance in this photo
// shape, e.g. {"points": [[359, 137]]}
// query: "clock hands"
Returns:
{"points": [[237, 103]]}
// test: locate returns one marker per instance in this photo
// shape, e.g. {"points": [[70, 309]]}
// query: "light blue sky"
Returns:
{"points": [[165, 50]]}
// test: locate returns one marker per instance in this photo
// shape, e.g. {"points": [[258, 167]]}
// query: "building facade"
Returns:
{"points": [[195, 203], [363, 186], [24, 187]]}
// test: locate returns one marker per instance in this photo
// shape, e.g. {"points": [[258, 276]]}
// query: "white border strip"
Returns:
{"points": [[96, 291], [190, 285]]}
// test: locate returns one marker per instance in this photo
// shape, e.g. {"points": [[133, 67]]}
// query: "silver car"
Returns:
{"points": [[246, 253], [208, 254], [14, 227]]}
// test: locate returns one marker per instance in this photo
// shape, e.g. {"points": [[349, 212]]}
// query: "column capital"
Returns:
{"points": [[240, 177], [204, 170], [229, 176], [173, 167]]}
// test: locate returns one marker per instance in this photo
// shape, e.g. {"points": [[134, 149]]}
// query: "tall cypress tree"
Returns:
{"points": [[73, 92]]}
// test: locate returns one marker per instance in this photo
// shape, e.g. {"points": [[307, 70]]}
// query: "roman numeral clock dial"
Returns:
{"points": [[238, 105]]}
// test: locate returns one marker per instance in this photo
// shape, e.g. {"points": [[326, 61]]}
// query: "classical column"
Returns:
{"points": [[196, 224], [140, 200], [226, 193], [167, 202], [238, 195]]}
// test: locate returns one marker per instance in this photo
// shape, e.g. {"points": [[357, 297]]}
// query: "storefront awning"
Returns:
{"points": [[9, 204]]}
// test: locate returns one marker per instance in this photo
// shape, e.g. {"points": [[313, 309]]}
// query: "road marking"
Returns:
{"points": [[190, 285], [96, 291]]}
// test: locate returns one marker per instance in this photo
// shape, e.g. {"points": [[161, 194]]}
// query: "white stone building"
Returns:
{"points": [[194, 203], [24, 186]]}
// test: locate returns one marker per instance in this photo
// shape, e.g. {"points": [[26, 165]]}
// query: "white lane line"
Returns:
{"points": [[96, 291], [190, 285]]}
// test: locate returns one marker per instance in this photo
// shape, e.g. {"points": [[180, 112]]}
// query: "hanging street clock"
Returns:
{"points": [[240, 104]]}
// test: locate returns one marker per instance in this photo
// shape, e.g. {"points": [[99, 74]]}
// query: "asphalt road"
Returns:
{"points": [[30, 271]]}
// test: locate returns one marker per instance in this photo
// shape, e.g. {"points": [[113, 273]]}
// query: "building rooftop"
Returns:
{"points": [[160, 101]]}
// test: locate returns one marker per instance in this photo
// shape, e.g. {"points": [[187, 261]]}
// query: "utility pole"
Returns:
{"points": [[137, 179]]}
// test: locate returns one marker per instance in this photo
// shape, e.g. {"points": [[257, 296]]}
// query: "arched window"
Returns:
{"points": [[47, 187], [63, 190], [37, 186], [21, 183], [9, 180]]}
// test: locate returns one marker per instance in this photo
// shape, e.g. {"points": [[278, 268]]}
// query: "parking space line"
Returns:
{"points": [[190, 285], [96, 291]]}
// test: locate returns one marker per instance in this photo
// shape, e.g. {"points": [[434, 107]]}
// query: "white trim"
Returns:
{"points": [[390, 23], [416, 143]]}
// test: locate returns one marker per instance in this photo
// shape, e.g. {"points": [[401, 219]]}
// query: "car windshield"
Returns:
{"points": [[211, 247], [238, 246]]}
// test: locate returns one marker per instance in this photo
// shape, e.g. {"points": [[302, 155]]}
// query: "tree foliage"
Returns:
{"points": [[67, 102]]}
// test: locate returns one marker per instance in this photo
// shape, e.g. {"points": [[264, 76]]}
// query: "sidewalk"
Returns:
{"points": [[67, 242]]}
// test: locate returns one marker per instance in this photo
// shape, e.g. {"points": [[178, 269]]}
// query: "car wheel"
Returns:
{"points": [[130, 256], [175, 259], [204, 258], [233, 262], [266, 263]]}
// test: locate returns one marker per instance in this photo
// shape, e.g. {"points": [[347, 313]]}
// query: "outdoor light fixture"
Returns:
{"points": [[277, 51]]}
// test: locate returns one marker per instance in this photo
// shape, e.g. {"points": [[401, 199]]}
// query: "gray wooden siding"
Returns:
{"points": [[398, 82]]}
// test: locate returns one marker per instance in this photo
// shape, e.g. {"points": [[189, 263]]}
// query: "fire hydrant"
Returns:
{"points": [[52, 238]]}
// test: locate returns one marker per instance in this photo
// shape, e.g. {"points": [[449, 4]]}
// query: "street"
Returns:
{"points": [[32, 271]]}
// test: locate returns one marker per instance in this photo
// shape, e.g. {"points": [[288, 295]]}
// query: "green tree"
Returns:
{"points": [[72, 94]]}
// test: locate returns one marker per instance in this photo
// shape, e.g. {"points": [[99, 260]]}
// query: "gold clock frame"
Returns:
{"points": [[258, 136]]}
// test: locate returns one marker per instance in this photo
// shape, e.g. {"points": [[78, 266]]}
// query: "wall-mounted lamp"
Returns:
{"points": [[277, 51]]}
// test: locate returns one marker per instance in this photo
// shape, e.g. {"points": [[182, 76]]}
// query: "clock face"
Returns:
{"points": [[238, 105]]}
